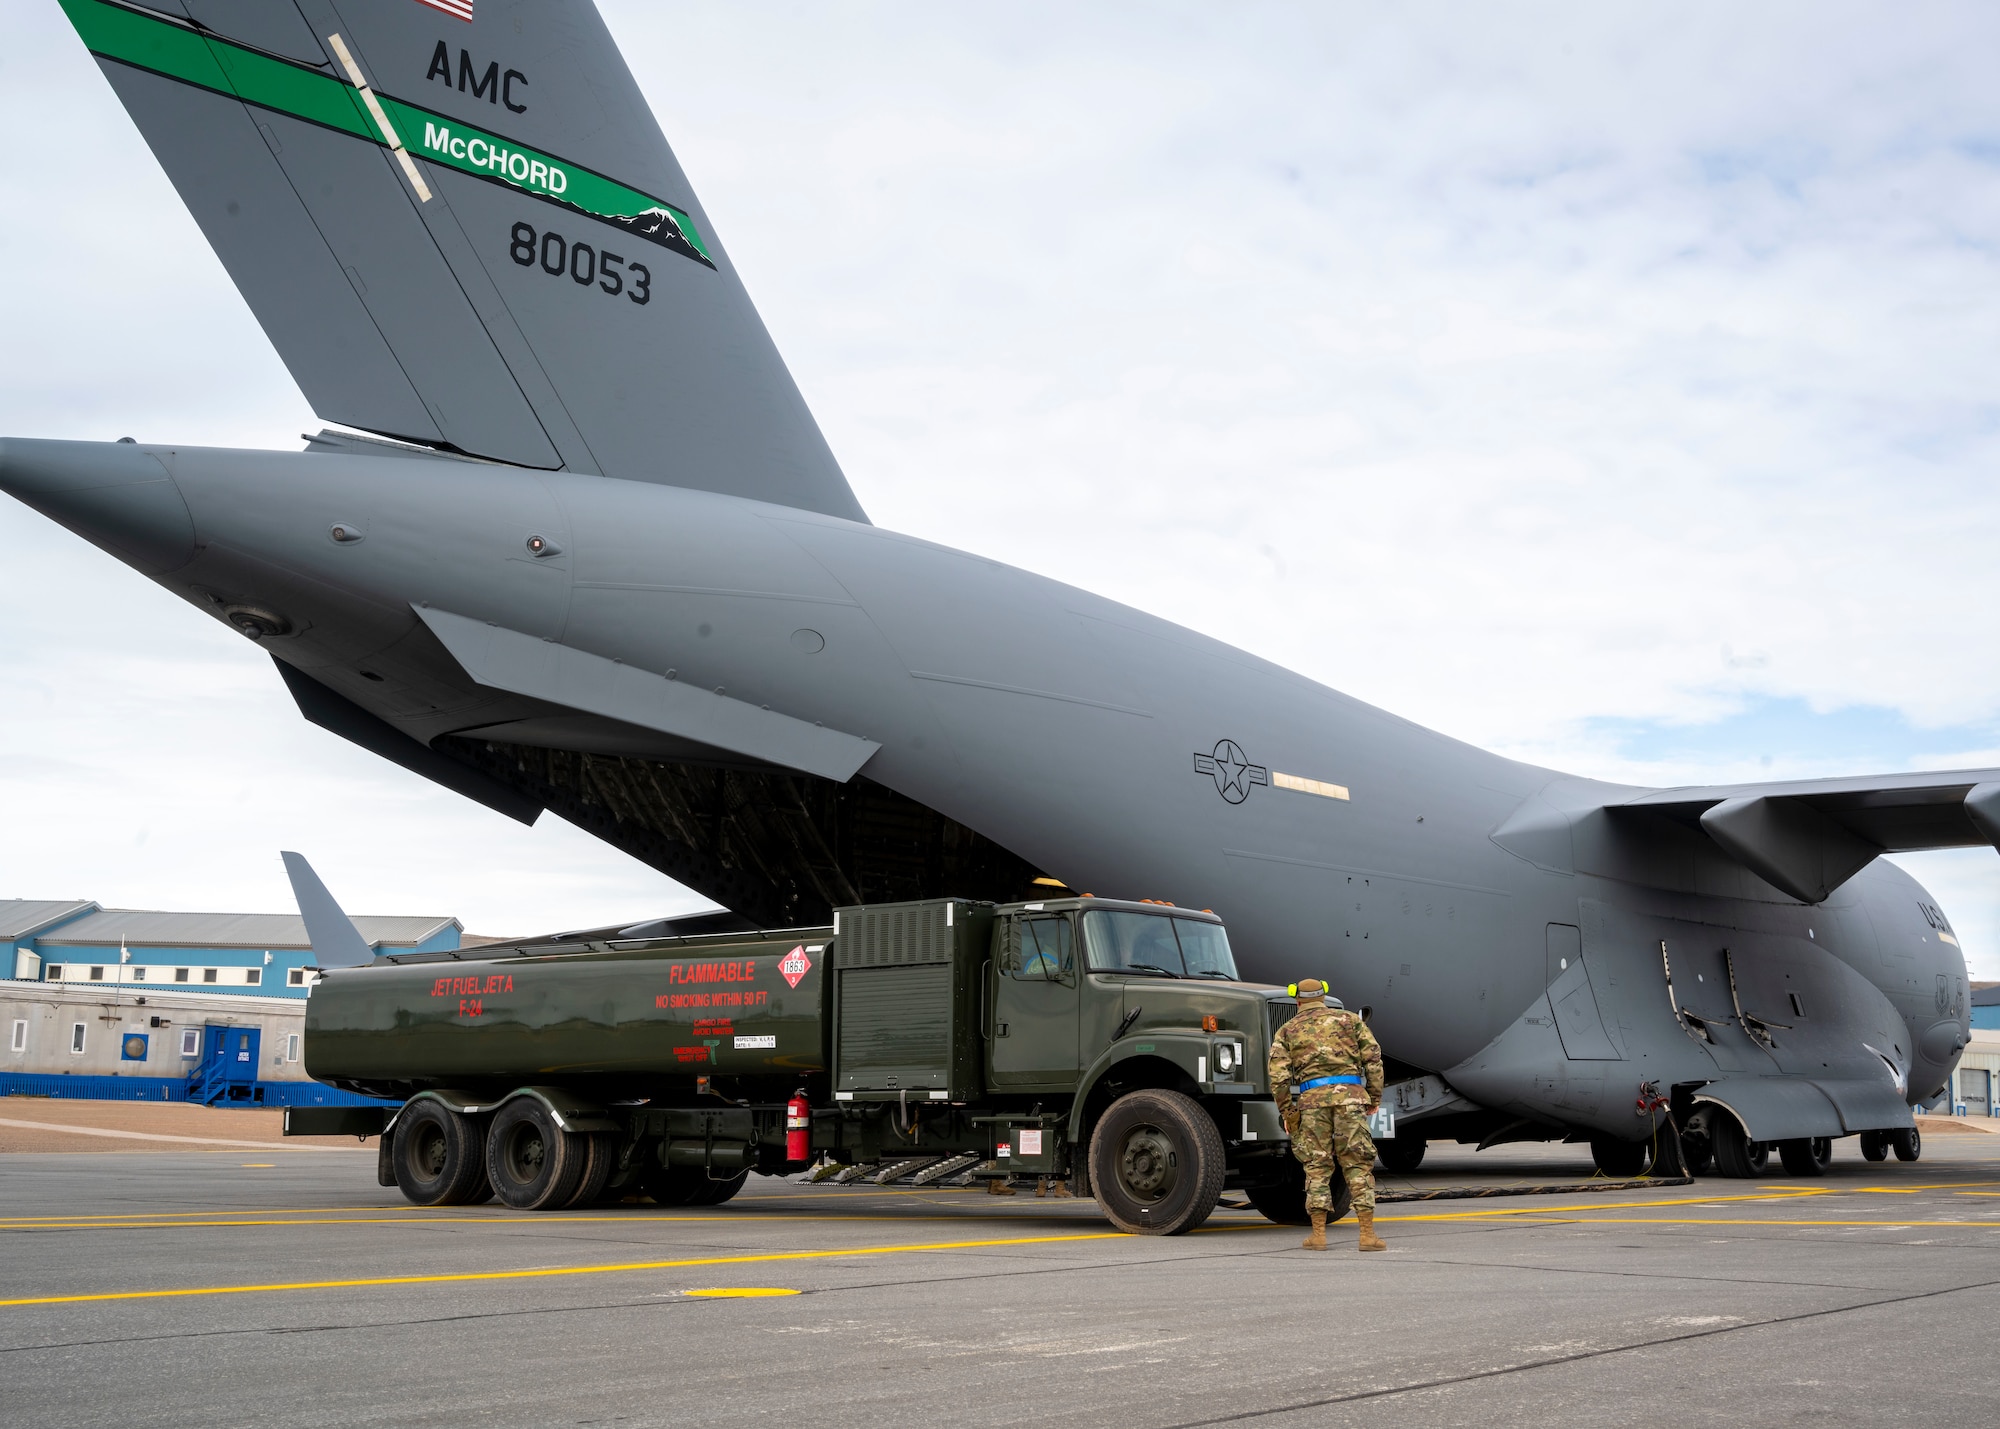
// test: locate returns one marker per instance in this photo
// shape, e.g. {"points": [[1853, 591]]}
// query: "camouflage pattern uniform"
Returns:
{"points": [[1321, 1041]]}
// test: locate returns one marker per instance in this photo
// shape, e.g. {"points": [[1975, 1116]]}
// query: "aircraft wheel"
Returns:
{"points": [[1806, 1155], [534, 1164], [1284, 1201], [1156, 1163], [1736, 1155], [1620, 1159], [1907, 1142], [1401, 1153], [600, 1160], [1874, 1146]]}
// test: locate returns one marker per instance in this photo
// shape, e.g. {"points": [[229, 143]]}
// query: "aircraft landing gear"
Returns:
{"points": [[1908, 1143], [1621, 1160], [1736, 1155], [1807, 1155], [1402, 1152], [1874, 1146], [1697, 1146]]}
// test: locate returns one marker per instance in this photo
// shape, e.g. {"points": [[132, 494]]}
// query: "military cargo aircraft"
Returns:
{"points": [[583, 548]]}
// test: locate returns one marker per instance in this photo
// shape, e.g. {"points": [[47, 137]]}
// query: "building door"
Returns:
{"points": [[1035, 987], [1975, 1089], [231, 1054]]}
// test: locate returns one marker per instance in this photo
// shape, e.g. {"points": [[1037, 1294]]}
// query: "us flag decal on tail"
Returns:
{"points": [[462, 9]]}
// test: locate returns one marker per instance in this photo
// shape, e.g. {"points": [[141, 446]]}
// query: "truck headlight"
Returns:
{"points": [[1225, 1057]]}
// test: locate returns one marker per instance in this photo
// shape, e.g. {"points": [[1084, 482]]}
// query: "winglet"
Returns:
{"points": [[336, 942]]}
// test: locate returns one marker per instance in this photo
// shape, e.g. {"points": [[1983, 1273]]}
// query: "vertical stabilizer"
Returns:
{"points": [[336, 942], [461, 226]]}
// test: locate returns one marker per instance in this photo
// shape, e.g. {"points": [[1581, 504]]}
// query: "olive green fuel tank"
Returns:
{"points": [[748, 1007]]}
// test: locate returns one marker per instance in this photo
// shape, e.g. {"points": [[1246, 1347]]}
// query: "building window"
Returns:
{"points": [[190, 1041], [180, 974], [291, 1046], [295, 978], [76, 1030], [253, 976], [209, 974], [20, 1040], [53, 972], [97, 974], [138, 972]]}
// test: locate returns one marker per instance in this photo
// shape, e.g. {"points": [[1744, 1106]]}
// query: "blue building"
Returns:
{"points": [[79, 943], [1986, 1005]]}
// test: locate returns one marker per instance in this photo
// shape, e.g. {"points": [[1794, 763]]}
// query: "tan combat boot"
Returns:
{"points": [[1369, 1240], [998, 1187], [1317, 1240]]}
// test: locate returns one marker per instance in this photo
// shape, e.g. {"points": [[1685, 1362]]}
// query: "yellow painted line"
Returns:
{"points": [[544, 1218], [1885, 1224], [745, 1292], [112, 1218], [550, 1272], [1491, 1212]]}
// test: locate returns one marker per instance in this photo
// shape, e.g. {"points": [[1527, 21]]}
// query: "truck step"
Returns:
{"points": [[950, 1166], [896, 1170]]}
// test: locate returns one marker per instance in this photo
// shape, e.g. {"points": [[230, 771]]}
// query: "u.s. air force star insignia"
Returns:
{"points": [[1234, 773]]}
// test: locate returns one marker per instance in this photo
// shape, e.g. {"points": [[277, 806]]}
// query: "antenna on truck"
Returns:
{"points": [[336, 942]]}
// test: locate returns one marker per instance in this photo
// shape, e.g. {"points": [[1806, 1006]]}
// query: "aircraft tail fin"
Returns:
{"points": [[336, 942], [460, 226]]}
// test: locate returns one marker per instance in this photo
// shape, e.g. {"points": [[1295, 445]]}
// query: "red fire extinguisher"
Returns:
{"points": [[798, 1128]]}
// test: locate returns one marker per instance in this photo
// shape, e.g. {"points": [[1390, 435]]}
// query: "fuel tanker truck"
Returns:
{"points": [[1107, 1044]]}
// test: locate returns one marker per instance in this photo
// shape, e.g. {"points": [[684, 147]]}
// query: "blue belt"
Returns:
{"points": [[1347, 1081]]}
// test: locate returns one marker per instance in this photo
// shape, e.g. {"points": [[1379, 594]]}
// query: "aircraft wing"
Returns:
{"points": [[1806, 837]]}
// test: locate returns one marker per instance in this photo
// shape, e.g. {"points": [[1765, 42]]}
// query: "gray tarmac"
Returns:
{"points": [[224, 1288]]}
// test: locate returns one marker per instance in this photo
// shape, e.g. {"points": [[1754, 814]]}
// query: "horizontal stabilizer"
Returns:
{"points": [[503, 659], [1807, 837], [336, 942]]}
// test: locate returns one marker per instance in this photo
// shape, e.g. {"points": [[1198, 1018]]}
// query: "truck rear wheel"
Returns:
{"points": [[1156, 1163], [534, 1164], [600, 1160], [438, 1156]]}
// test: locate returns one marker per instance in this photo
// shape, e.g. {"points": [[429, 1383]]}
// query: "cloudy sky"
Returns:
{"points": [[1610, 386]]}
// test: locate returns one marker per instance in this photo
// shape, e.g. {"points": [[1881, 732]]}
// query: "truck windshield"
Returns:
{"points": [[1156, 944]]}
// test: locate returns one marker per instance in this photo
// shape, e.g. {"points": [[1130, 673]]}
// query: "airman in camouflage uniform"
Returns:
{"points": [[1328, 1123]]}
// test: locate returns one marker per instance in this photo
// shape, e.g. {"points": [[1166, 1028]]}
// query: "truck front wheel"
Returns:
{"points": [[1156, 1163], [535, 1165], [438, 1156]]}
